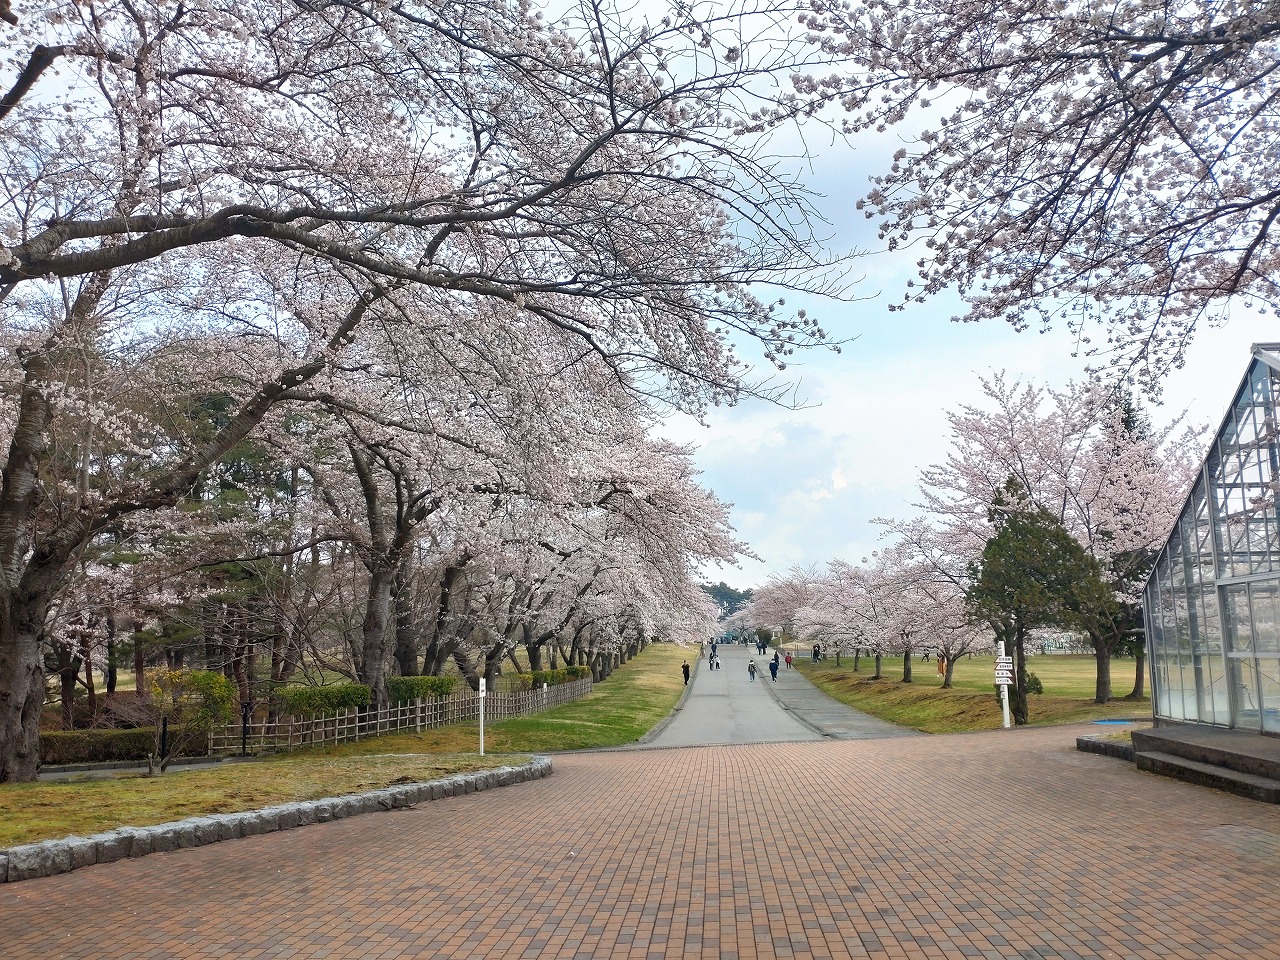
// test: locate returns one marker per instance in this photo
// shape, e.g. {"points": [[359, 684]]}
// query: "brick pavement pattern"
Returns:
{"points": [[1000, 845]]}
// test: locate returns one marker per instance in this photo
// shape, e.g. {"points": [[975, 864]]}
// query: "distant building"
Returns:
{"points": [[1212, 604]]}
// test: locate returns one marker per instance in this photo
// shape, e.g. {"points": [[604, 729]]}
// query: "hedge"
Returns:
{"points": [[97, 746], [535, 680], [405, 689], [298, 701]]}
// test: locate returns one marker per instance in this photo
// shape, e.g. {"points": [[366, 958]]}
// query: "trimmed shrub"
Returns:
{"points": [[405, 689], [535, 680], [100, 746], [299, 701]]}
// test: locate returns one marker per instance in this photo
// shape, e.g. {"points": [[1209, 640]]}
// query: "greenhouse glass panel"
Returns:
{"points": [[1212, 602]]}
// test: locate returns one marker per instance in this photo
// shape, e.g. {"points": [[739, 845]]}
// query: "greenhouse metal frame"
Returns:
{"points": [[1212, 603]]}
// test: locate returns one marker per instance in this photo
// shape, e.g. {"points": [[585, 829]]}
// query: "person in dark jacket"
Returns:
{"points": [[685, 667]]}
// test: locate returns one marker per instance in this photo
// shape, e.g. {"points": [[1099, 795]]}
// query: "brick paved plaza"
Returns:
{"points": [[988, 845]]}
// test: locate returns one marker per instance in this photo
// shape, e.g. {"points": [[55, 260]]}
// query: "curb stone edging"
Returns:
{"points": [[1106, 748], [50, 857]]}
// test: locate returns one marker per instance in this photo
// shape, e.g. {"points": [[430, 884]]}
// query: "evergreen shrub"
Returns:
{"points": [[407, 689], [300, 701]]}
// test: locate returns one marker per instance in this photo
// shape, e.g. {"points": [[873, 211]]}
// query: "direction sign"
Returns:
{"points": [[1004, 677], [1004, 662]]}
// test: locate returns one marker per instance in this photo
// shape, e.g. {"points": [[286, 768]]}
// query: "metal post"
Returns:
{"points": [[245, 711], [1004, 687], [482, 696], [164, 738]]}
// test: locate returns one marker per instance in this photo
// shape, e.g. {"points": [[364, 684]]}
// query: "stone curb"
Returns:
{"points": [[51, 857], [1106, 748]]}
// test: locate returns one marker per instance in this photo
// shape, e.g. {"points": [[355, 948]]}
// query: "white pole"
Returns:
{"points": [[1004, 688], [482, 693]]}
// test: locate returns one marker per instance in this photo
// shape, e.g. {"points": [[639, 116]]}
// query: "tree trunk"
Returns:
{"points": [[1139, 674], [468, 669], [857, 655], [492, 661], [1018, 692], [376, 634], [139, 669], [406, 654], [878, 674], [1102, 658], [21, 684], [90, 689], [112, 669], [946, 677], [906, 665], [68, 669]]}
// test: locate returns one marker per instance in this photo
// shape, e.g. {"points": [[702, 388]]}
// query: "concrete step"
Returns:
{"points": [[1233, 749], [1244, 784]]}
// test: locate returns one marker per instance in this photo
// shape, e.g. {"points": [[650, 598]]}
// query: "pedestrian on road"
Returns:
{"points": [[685, 667], [751, 670], [789, 660], [773, 669]]}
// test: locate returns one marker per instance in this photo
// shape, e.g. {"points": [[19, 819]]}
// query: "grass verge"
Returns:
{"points": [[624, 708], [60, 808], [970, 704], [618, 711]]}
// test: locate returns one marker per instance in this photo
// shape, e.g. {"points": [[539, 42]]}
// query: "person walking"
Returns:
{"points": [[751, 670], [685, 667], [789, 667], [773, 669]]}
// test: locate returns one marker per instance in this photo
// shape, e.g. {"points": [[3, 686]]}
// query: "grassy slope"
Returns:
{"points": [[971, 704], [620, 710]]}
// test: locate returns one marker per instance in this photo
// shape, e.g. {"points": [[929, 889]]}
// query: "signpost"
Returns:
{"points": [[482, 696], [1004, 677]]}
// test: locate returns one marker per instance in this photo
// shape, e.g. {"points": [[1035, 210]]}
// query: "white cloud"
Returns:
{"points": [[807, 484]]}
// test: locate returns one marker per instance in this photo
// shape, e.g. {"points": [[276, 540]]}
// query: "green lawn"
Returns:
{"points": [[971, 704], [618, 711]]}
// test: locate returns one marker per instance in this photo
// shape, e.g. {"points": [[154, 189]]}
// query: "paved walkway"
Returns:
{"points": [[996, 845], [725, 706], [829, 717]]}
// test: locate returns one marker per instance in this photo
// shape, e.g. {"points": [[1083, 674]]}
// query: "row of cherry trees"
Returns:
{"points": [[280, 181], [355, 309], [1046, 512], [385, 526]]}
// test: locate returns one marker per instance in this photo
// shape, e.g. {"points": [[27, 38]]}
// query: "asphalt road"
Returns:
{"points": [[723, 706]]}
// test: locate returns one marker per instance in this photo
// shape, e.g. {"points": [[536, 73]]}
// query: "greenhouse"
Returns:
{"points": [[1212, 603]]}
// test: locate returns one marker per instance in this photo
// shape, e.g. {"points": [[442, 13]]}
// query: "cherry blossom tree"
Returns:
{"points": [[776, 604], [226, 201], [1101, 166], [1079, 455]]}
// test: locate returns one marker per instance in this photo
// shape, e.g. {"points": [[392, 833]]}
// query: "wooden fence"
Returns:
{"points": [[290, 733]]}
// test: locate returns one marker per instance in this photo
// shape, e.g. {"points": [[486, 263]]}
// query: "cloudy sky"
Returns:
{"points": [[805, 485]]}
